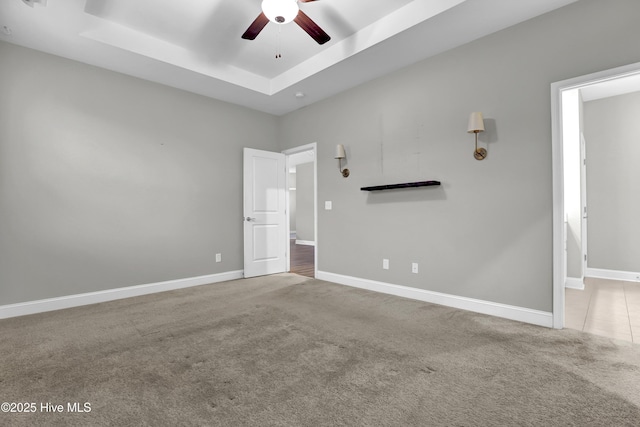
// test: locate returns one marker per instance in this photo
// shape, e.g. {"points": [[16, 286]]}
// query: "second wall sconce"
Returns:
{"points": [[476, 125], [341, 154]]}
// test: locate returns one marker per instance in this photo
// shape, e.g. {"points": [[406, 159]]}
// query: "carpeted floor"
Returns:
{"points": [[287, 350]]}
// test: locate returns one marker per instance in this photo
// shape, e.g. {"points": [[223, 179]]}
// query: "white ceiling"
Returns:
{"points": [[195, 45], [612, 87]]}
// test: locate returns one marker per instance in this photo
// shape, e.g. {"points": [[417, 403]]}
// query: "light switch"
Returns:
{"points": [[328, 205]]}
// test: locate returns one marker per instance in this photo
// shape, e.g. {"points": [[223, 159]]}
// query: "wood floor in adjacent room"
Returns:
{"points": [[302, 259], [608, 308]]}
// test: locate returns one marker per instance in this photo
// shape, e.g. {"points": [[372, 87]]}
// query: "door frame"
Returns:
{"points": [[559, 268], [300, 149], [583, 205]]}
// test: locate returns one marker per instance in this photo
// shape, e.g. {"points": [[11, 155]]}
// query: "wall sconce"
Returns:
{"points": [[341, 154], [476, 125]]}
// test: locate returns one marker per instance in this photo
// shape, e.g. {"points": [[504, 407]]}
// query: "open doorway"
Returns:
{"points": [[578, 120], [301, 212]]}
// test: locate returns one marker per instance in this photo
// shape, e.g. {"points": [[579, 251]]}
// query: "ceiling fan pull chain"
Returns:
{"points": [[278, 55]]}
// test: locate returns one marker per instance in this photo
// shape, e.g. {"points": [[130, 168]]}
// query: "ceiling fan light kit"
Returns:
{"points": [[282, 12]]}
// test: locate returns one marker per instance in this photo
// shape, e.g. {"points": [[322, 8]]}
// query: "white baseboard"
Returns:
{"points": [[601, 273], [535, 317], [305, 242], [574, 283], [50, 304]]}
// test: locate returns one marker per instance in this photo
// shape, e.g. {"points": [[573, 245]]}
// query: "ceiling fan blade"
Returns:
{"points": [[311, 28], [255, 27]]}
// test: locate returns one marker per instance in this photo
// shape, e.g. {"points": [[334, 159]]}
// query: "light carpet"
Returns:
{"points": [[286, 350]]}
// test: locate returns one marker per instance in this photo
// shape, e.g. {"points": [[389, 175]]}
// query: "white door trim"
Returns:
{"points": [[307, 147], [583, 206], [559, 270]]}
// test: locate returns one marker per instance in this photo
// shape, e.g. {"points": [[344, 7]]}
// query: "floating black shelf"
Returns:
{"points": [[404, 185]]}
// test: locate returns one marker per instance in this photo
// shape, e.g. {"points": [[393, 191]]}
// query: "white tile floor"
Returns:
{"points": [[605, 307]]}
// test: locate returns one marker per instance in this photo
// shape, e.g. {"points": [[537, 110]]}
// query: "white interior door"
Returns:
{"points": [[265, 239]]}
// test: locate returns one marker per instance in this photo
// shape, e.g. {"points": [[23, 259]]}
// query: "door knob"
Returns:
{"points": [[249, 219]]}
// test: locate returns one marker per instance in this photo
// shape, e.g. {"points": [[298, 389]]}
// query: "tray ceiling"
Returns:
{"points": [[195, 45]]}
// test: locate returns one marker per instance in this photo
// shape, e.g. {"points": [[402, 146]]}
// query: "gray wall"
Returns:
{"points": [[486, 233], [304, 202], [109, 181], [613, 182]]}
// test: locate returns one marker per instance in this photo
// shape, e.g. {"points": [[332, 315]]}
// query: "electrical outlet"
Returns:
{"points": [[414, 267], [385, 264], [218, 257], [328, 205]]}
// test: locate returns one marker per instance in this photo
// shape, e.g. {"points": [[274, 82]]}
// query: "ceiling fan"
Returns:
{"points": [[283, 12]]}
